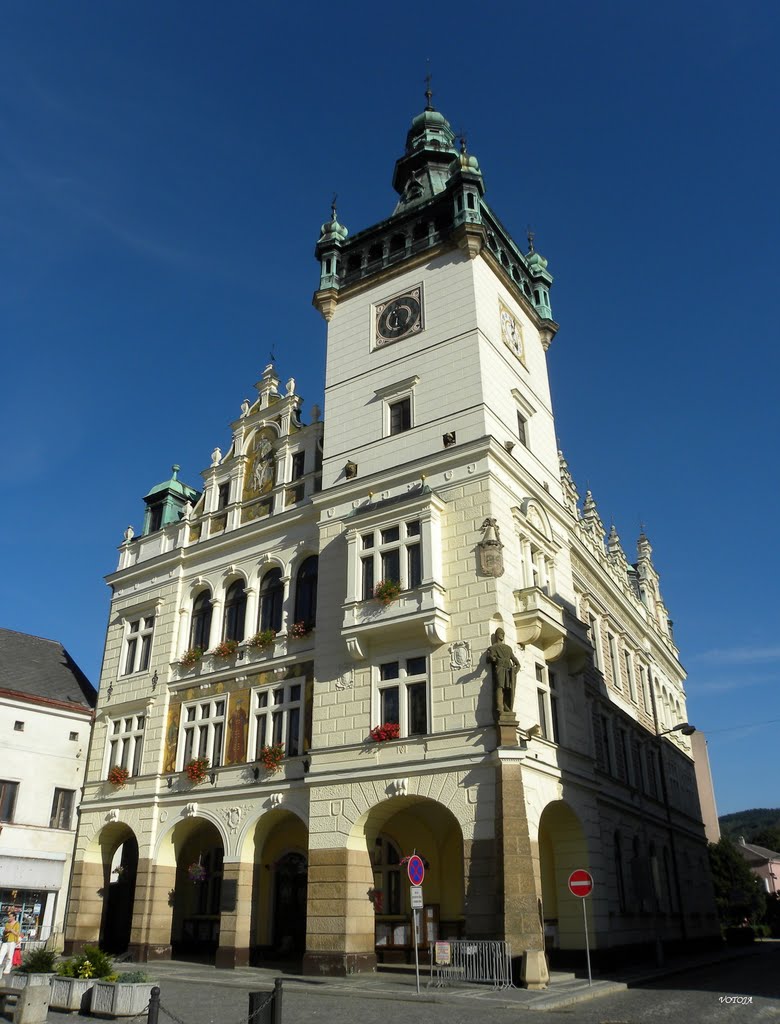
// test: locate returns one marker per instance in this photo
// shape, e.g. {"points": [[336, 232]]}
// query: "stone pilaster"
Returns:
{"points": [[481, 905], [235, 925], [150, 935], [340, 915], [519, 896], [85, 907]]}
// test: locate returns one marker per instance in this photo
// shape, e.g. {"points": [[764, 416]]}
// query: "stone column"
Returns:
{"points": [[250, 619], [518, 891], [235, 924], [340, 915], [85, 905], [150, 934], [287, 609], [215, 632]]}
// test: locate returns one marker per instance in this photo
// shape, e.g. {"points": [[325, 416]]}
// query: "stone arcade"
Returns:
{"points": [[337, 597]]}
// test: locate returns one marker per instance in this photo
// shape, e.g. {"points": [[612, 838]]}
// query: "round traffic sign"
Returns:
{"points": [[580, 883], [415, 869]]}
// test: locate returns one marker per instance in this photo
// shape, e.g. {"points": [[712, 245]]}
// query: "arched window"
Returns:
{"points": [[271, 597], [386, 861], [306, 593], [201, 620], [235, 611]]}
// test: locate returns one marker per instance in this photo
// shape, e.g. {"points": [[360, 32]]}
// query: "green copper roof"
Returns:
{"points": [[422, 172], [173, 486]]}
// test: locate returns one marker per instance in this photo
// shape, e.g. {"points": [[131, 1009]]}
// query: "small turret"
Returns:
{"points": [[467, 188], [165, 502], [541, 279], [328, 249]]}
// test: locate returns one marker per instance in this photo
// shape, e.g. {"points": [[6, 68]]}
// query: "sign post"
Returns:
{"points": [[416, 871], [581, 886]]}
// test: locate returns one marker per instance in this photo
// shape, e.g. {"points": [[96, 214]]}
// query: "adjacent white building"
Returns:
{"points": [[333, 592], [46, 705]]}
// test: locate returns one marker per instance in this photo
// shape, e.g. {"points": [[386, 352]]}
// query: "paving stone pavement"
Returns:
{"points": [[200, 994]]}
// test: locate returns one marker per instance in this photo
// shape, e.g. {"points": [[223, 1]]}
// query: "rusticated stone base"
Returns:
{"points": [[338, 965], [230, 957]]}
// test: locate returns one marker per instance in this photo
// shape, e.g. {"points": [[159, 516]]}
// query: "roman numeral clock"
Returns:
{"points": [[399, 317]]}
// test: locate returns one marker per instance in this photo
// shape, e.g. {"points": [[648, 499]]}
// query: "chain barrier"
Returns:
{"points": [[246, 1019]]}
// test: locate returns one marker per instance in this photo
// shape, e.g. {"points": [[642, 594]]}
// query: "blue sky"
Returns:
{"points": [[163, 175]]}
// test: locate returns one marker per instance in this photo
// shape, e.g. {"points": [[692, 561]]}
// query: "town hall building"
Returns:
{"points": [[397, 629]]}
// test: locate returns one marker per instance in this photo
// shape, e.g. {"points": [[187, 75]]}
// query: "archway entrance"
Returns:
{"points": [[196, 898], [119, 898], [290, 889], [393, 831], [280, 887], [562, 849]]}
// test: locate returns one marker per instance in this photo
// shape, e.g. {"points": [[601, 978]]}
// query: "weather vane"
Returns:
{"points": [[333, 206], [531, 236]]}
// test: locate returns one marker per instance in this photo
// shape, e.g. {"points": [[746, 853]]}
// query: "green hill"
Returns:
{"points": [[751, 824]]}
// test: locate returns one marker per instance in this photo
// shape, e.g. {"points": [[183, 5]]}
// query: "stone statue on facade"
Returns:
{"points": [[505, 668]]}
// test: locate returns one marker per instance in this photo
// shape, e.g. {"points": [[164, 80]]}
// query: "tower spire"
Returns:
{"points": [[428, 92]]}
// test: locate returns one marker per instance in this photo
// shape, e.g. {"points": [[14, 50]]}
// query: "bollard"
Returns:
{"points": [[278, 1001], [154, 1005]]}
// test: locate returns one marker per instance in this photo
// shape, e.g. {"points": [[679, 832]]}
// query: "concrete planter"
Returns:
{"points": [[114, 999], [20, 980], [70, 993]]}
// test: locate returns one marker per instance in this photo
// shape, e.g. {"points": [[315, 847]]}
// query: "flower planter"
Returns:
{"points": [[20, 980], [113, 999], [70, 993]]}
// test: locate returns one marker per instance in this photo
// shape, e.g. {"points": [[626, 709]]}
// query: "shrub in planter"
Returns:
{"points": [[128, 996], [75, 978], [38, 961]]}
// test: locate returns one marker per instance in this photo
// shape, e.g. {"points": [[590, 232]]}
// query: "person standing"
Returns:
{"points": [[12, 935]]}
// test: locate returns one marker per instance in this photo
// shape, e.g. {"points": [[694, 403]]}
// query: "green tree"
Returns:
{"points": [[769, 838], [738, 892]]}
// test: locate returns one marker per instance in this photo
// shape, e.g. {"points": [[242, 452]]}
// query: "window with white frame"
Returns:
{"points": [[525, 411], [397, 406], [138, 644], [613, 661], [630, 675], [595, 639], [646, 701], [277, 717], [391, 553], [125, 743], [402, 695], [203, 731], [547, 703]]}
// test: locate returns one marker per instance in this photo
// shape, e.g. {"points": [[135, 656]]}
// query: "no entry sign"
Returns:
{"points": [[415, 869], [580, 883]]}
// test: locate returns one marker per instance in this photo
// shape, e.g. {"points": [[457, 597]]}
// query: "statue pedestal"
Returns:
{"points": [[506, 727]]}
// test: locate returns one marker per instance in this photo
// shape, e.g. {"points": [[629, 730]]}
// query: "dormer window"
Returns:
{"points": [[155, 518]]}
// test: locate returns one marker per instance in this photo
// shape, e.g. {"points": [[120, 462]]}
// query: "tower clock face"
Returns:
{"points": [[510, 331], [399, 317]]}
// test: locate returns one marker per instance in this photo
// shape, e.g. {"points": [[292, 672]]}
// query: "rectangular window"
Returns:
{"points": [[595, 640], [613, 661], [18, 726], [541, 701], [392, 553], [606, 741], [556, 729], [8, 791], [125, 743], [138, 645], [522, 431], [403, 695], [223, 494], [73, 736], [645, 690], [278, 717], [400, 416], [203, 731], [298, 463], [62, 808], [630, 675]]}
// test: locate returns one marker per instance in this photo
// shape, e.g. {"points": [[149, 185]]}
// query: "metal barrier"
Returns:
{"points": [[484, 962]]}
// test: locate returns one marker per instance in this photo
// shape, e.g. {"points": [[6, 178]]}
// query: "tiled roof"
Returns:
{"points": [[35, 667], [757, 852]]}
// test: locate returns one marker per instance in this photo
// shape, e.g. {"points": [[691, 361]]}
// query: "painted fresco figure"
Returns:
{"points": [[505, 668]]}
